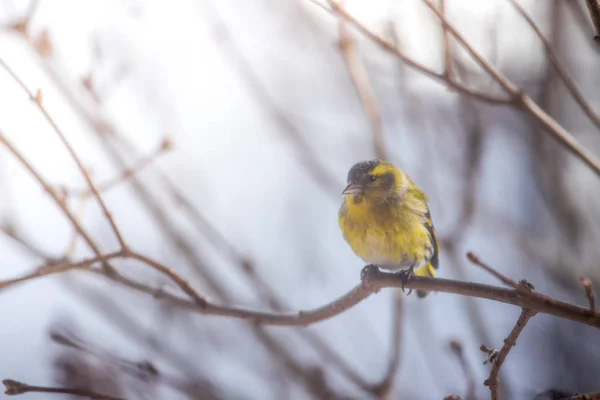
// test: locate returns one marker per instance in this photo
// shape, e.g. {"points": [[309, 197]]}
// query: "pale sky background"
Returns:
{"points": [[238, 166]]}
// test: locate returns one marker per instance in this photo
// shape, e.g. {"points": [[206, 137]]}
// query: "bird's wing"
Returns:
{"points": [[417, 200]]}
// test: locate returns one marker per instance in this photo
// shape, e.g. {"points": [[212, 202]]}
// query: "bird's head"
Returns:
{"points": [[376, 181]]}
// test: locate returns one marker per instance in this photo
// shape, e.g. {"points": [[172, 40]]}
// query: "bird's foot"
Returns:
{"points": [[406, 274]]}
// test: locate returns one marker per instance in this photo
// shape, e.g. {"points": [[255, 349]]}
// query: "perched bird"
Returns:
{"points": [[386, 221]]}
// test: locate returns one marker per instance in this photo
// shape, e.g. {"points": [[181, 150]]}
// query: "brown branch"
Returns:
{"points": [[522, 101], [38, 102], [374, 280], [589, 291], [509, 343], [594, 9], [57, 268], [503, 278], [13, 388], [562, 69]]}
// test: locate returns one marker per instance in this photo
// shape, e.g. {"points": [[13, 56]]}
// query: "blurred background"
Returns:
{"points": [[240, 121]]}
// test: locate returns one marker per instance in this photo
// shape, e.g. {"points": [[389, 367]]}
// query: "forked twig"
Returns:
{"points": [[509, 343], [505, 279]]}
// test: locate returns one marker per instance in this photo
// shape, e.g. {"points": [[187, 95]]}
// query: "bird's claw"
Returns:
{"points": [[406, 274]]}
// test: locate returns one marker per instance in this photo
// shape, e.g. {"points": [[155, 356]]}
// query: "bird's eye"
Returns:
{"points": [[373, 178]]}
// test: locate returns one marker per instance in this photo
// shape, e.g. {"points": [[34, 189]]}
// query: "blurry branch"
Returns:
{"points": [[516, 98], [589, 291], [22, 25], [13, 388], [457, 349], [594, 9], [383, 390], [561, 68], [504, 279], [59, 200], [143, 371], [306, 155], [446, 37], [392, 48], [57, 268], [522, 101], [360, 79], [586, 396], [509, 343]]}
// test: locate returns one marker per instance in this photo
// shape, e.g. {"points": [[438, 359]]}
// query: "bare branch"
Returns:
{"points": [[509, 343], [13, 388], [589, 291], [503, 278], [57, 268], [562, 69], [360, 79], [391, 47], [37, 101], [57, 199], [594, 9], [523, 101]]}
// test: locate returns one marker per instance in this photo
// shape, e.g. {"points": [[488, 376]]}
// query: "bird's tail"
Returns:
{"points": [[425, 270]]}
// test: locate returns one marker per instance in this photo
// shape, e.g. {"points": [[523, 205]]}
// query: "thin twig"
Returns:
{"points": [[509, 343], [57, 199], [36, 98], [13, 388], [594, 9], [57, 268], [562, 69], [589, 292], [505, 279]]}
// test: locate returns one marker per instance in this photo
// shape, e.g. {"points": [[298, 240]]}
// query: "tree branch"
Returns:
{"points": [[562, 69], [13, 388], [509, 343], [522, 101], [594, 9]]}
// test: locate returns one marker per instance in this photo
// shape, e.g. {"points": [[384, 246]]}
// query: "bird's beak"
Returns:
{"points": [[353, 189]]}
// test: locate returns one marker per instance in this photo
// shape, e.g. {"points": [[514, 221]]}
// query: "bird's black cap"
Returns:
{"points": [[361, 168]]}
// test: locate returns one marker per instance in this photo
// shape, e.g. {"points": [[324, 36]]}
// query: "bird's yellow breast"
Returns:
{"points": [[389, 235]]}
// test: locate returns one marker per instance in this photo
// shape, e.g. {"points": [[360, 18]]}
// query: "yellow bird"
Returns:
{"points": [[386, 220]]}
